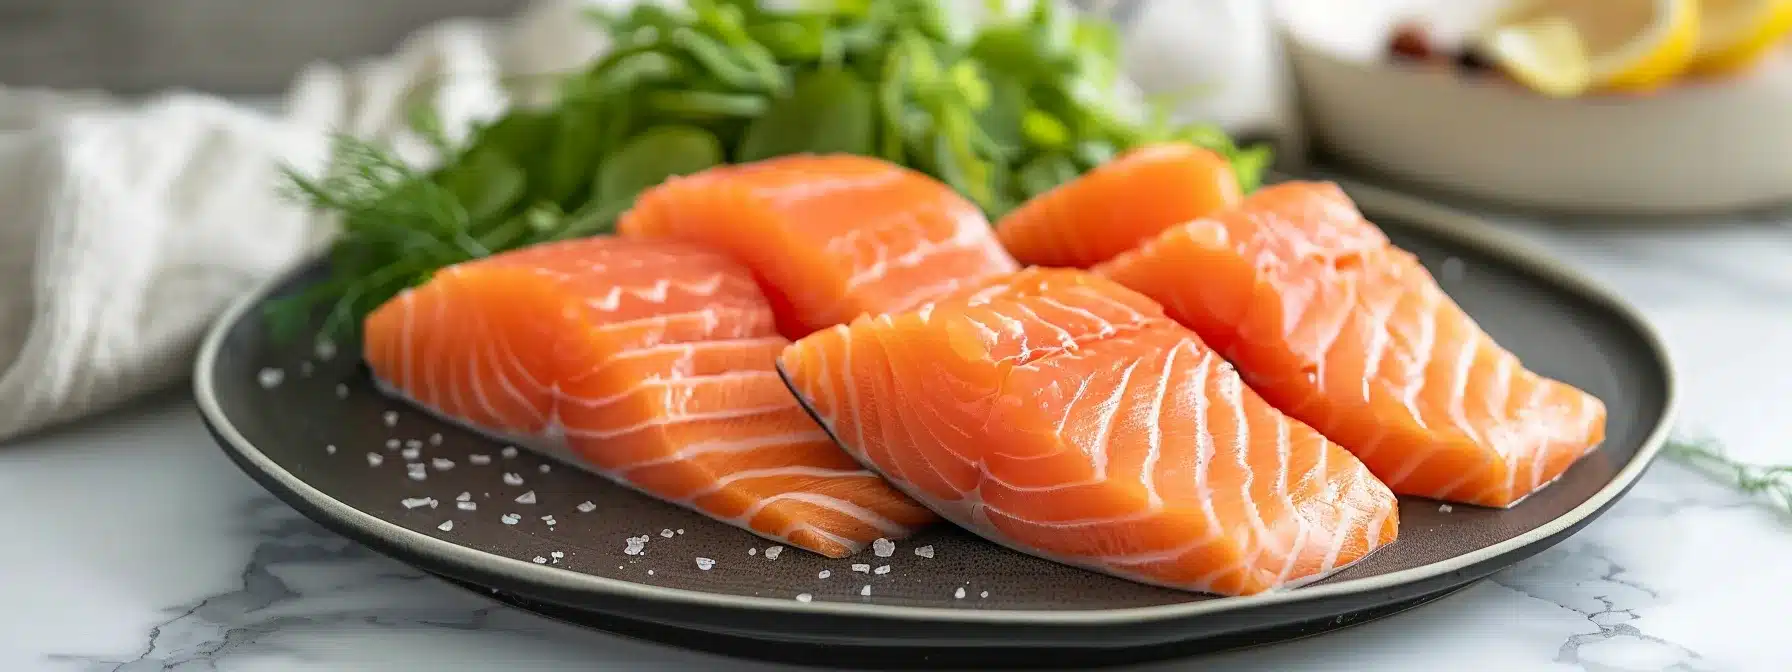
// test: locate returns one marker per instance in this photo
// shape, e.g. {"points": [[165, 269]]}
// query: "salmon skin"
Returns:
{"points": [[1336, 326], [1061, 415], [649, 362], [830, 237], [1119, 204]]}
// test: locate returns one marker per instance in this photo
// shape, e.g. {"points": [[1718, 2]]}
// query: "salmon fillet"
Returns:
{"points": [[652, 363], [830, 237], [1338, 327], [1118, 205], [1062, 415]]}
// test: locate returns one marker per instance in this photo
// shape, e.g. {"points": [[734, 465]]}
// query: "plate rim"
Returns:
{"points": [[1432, 218]]}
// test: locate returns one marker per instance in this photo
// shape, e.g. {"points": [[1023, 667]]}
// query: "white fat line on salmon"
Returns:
{"points": [[864, 515], [655, 293], [1066, 341], [1377, 348], [1303, 527], [666, 383], [692, 450], [1154, 432], [1107, 327], [1075, 523], [499, 354], [665, 420], [921, 294], [687, 351], [1459, 376], [852, 396], [1416, 374], [772, 472], [1204, 448], [1231, 389], [817, 185], [907, 422]]}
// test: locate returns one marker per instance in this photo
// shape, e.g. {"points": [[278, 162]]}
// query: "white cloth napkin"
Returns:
{"points": [[126, 226]]}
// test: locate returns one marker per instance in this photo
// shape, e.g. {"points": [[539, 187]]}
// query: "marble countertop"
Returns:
{"points": [[136, 545]]}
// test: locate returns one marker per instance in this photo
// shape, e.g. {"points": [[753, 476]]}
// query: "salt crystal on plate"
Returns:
{"points": [[511, 519], [477, 459], [958, 594], [526, 498], [410, 453], [413, 443], [508, 452], [435, 439], [331, 449], [546, 468], [984, 594], [635, 545], [824, 574], [557, 555], [1445, 508], [416, 472], [667, 533], [883, 547], [752, 551], [549, 519], [540, 560], [705, 563], [881, 569], [325, 350], [681, 530], [341, 391], [861, 568], [391, 444], [414, 502], [866, 591], [374, 459], [804, 597], [925, 551], [464, 496], [391, 418], [442, 463], [446, 526], [586, 507], [650, 572], [270, 377], [772, 553], [512, 479], [466, 506]]}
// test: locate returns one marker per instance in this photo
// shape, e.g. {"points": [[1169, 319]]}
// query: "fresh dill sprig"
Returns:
{"points": [[1771, 481]]}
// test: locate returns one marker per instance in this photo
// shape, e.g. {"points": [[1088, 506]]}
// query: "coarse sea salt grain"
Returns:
{"points": [[958, 594], [467, 506], [773, 552], [508, 452], [636, 545], [667, 533], [983, 594], [705, 564], [325, 350], [410, 453], [866, 591], [511, 519], [883, 547], [1445, 508], [804, 597], [442, 463], [752, 551], [586, 507], [341, 391], [477, 460], [824, 574], [464, 496], [446, 526], [881, 569], [526, 498], [435, 439], [374, 459], [416, 472], [391, 444], [545, 468], [414, 502], [681, 530], [861, 567], [512, 479], [557, 555], [391, 418], [270, 377], [330, 449], [925, 551], [413, 443], [540, 560], [549, 519]]}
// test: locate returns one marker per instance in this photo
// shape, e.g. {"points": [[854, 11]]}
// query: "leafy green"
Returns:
{"points": [[1773, 481], [1001, 112]]}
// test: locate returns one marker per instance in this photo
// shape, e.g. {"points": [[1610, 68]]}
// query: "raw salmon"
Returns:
{"points": [[1118, 205], [1062, 415], [652, 362], [1339, 328], [831, 237]]}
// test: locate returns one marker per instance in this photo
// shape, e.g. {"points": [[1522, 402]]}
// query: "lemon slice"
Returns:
{"points": [[1546, 55], [1734, 34], [1631, 45]]}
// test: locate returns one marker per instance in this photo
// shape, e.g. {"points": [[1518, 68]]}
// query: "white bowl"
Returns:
{"points": [[1694, 148]]}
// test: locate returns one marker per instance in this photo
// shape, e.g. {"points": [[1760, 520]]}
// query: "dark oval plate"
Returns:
{"points": [[543, 532]]}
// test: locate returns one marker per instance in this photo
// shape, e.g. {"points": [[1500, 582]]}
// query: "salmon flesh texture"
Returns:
{"points": [[1062, 415], [830, 237], [1119, 204], [1336, 326], [653, 362]]}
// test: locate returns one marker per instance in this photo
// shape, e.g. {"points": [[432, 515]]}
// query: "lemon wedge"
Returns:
{"points": [[1546, 55], [1631, 45], [1734, 34]]}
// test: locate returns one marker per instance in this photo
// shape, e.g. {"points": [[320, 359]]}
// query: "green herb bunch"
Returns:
{"points": [[1001, 113]]}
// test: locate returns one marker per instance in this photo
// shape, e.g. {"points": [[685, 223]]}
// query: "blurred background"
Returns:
{"points": [[242, 47]]}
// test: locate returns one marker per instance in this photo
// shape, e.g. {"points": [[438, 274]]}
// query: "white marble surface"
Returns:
{"points": [[131, 542]]}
